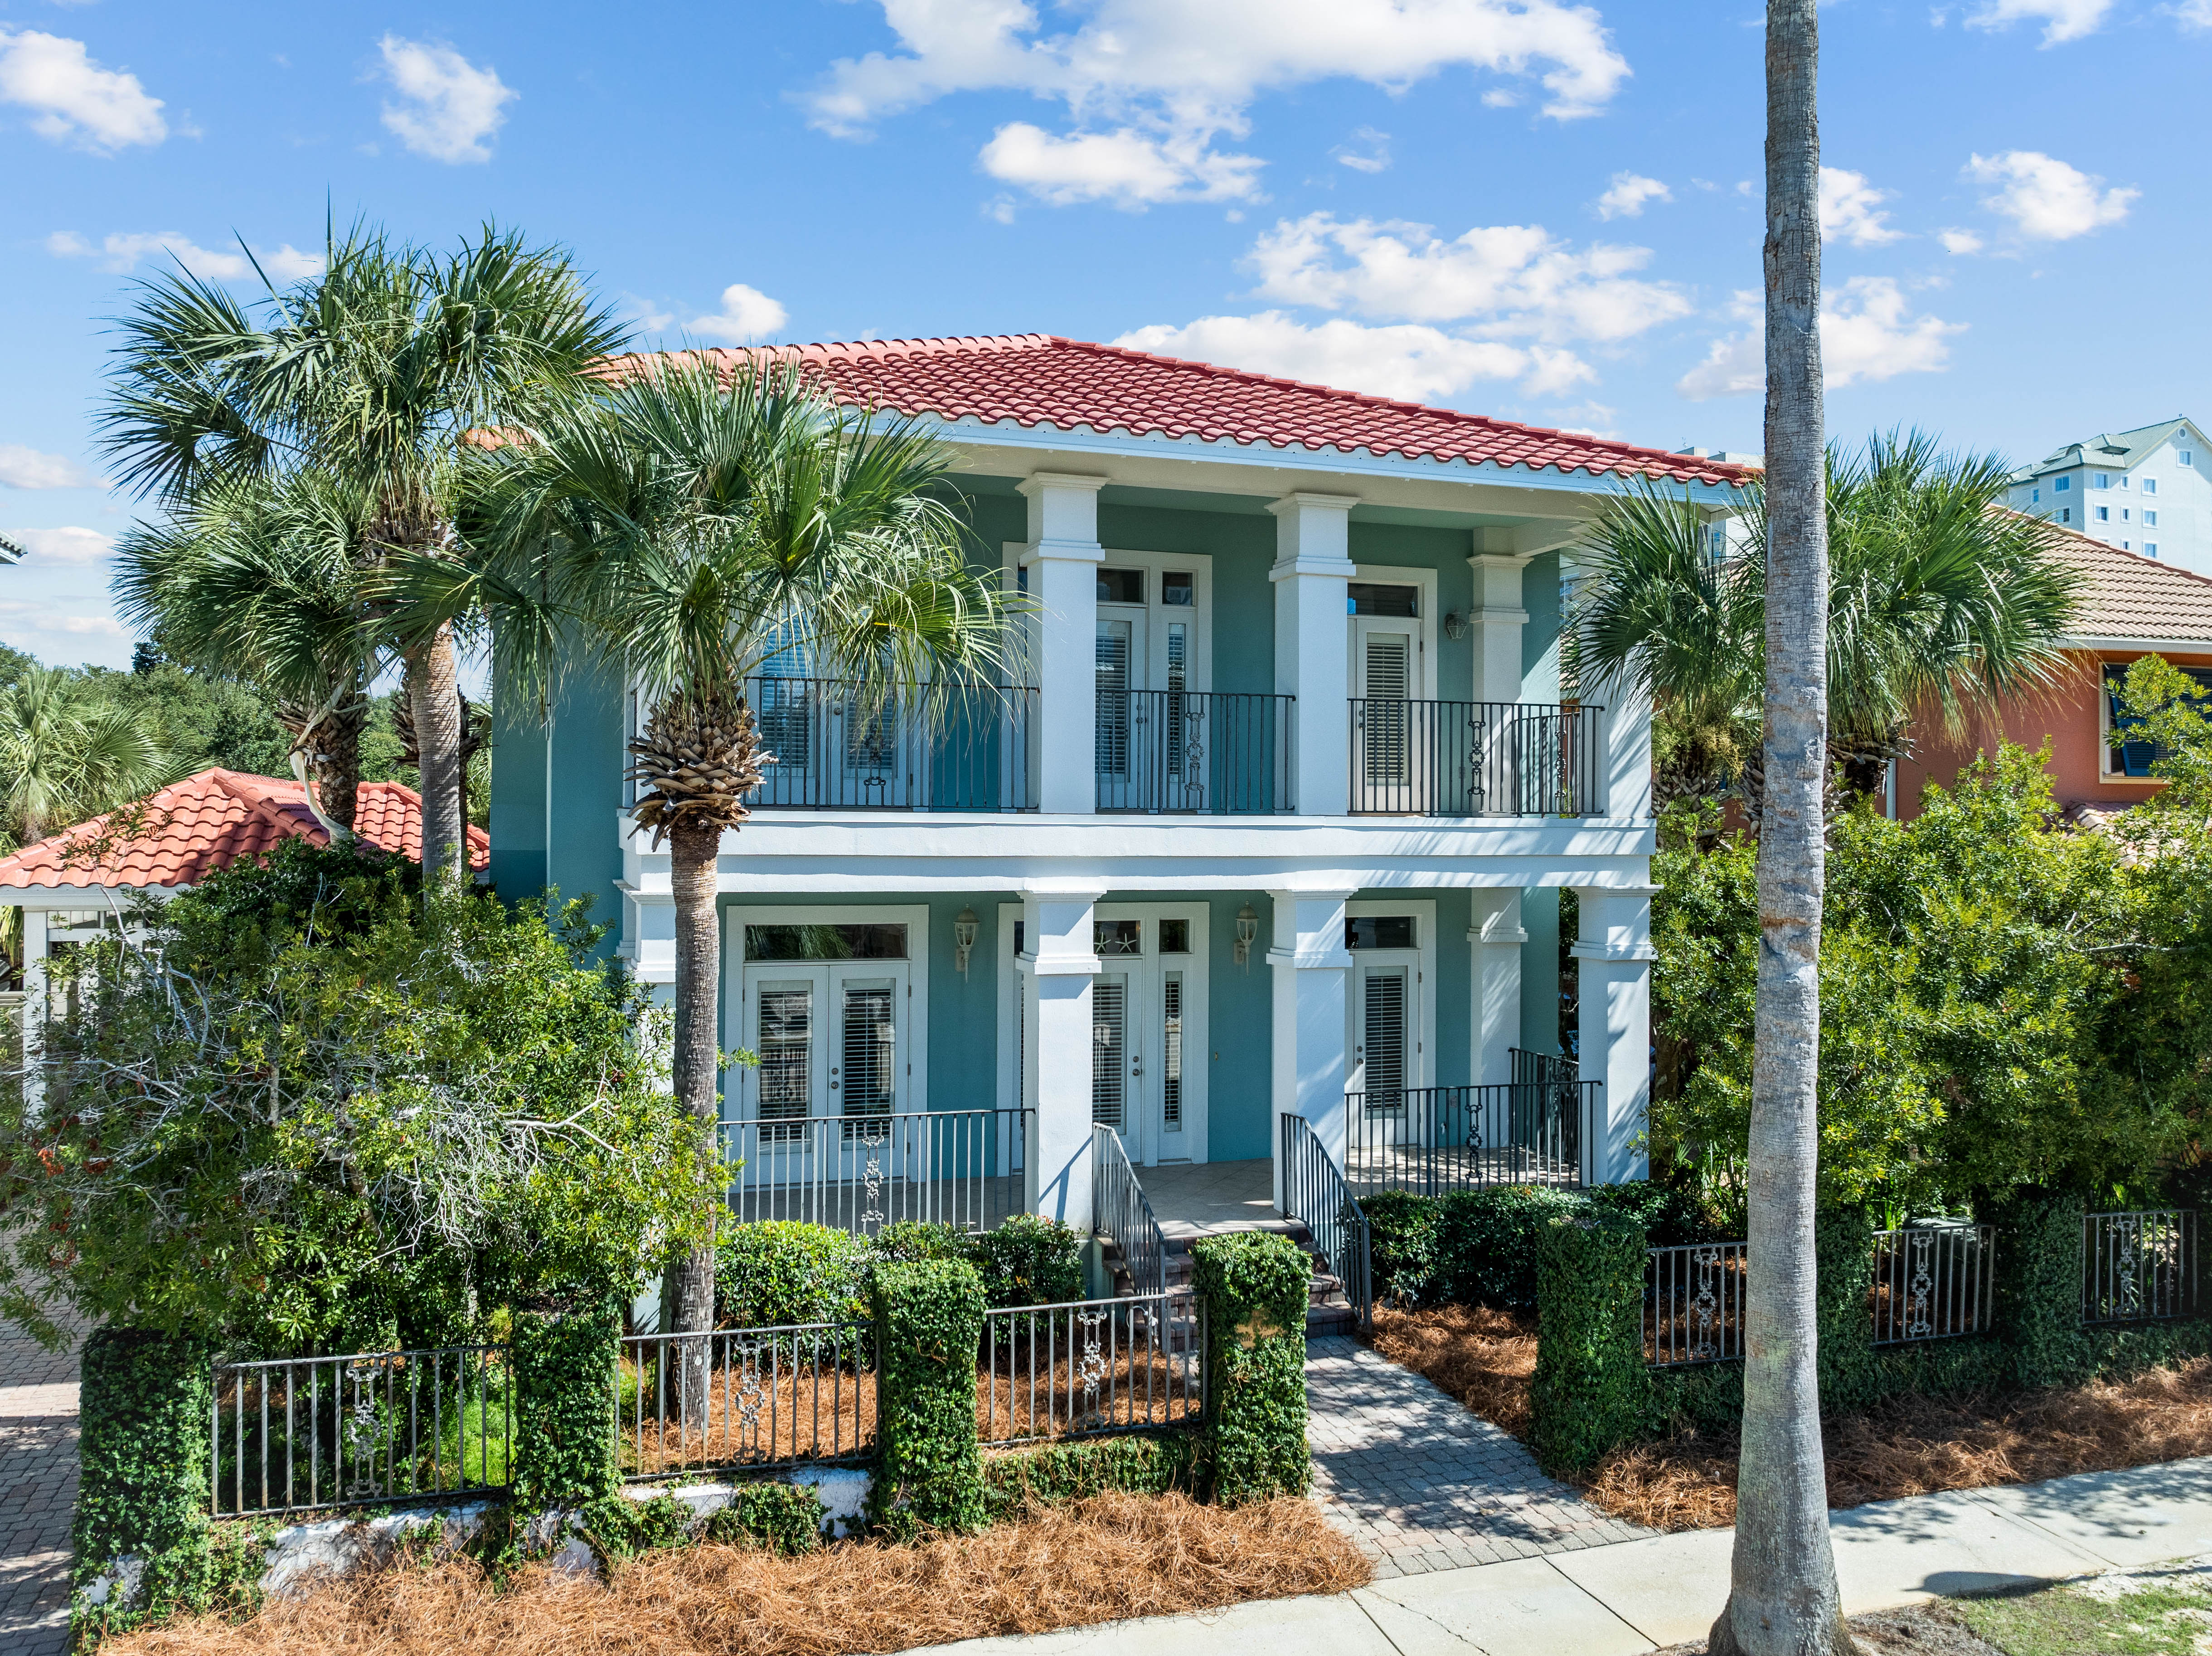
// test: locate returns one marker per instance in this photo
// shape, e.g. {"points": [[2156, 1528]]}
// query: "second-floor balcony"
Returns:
{"points": [[1475, 759], [839, 747], [1199, 753]]}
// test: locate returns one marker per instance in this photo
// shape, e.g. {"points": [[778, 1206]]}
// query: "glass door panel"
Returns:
{"points": [[1109, 1050], [865, 1076]]}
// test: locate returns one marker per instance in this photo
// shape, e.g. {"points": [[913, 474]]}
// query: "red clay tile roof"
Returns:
{"points": [[2128, 596], [1036, 380], [208, 821]]}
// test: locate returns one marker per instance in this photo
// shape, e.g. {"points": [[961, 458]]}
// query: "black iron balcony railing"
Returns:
{"points": [[840, 748], [1475, 759], [1201, 753]]}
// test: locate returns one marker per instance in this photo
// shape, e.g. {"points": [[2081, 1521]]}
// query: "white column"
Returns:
{"points": [[1613, 956], [1312, 968], [34, 1010], [1312, 567], [1494, 1018], [1062, 555], [1627, 751], [1057, 962], [1497, 617]]}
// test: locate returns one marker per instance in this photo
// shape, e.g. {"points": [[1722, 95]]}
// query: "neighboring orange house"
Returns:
{"points": [[2133, 606]]}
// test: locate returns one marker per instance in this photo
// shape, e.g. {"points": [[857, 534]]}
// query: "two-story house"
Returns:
{"points": [[2142, 491], [1283, 815]]}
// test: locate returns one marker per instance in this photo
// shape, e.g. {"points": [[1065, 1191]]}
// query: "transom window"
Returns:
{"points": [[1373, 598], [825, 942], [1121, 586], [1109, 937], [1378, 931]]}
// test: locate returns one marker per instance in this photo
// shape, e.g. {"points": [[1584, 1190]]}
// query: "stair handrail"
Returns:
{"points": [[1123, 1213], [1315, 1193]]}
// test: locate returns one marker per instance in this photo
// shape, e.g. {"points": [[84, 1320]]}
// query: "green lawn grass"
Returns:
{"points": [[2169, 1614]]}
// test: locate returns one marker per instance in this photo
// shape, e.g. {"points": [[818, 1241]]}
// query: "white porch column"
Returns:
{"points": [[1312, 968], [1062, 555], [1498, 618], [1313, 565], [1494, 1019], [1614, 956], [1057, 964], [1626, 760], [35, 1010]]}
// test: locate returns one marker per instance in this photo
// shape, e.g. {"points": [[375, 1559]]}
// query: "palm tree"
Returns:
{"points": [[67, 753], [376, 372], [688, 529], [257, 577], [1939, 601]]}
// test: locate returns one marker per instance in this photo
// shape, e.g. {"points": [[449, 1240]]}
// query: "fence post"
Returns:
{"points": [[1254, 1286], [1593, 1390], [143, 1487], [564, 1369], [2038, 1288], [929, 1321], [1843, 1255]]}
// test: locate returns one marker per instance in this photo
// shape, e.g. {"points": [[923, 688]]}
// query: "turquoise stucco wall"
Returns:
{"points": [[1540, 909], [518, 792]]}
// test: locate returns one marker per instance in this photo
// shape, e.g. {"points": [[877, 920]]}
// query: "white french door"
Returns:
{"points": [[831, 1039], [1383, 1037], [1123, 664]]}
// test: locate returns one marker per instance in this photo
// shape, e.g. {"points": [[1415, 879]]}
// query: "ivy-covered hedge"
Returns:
{"points": [[1150, 1465], [1254, 1285], [780, 1271], [1029, 1260], [1479, 1247], [929, 1319], [783, 1517], [142, 1479], [564, 1418], [2038, 1288], [1592, 1393], [1404, 1253]]}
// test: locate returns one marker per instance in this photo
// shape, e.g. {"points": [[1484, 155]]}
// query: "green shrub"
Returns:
{"points": [[2038, 1288], [929, 1319], [1254, 1285], [781, 1271], [784, 1518], [904, 1240], [1404, 1259], [1592, 1393], [1074, 1471], [1488, 1239], [1842, 1253], [564, 1415], [1030, 1260], [1670, 1217], [616, 1526]]}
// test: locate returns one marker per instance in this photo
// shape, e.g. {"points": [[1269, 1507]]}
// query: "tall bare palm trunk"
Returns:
{"points": [[1783, 1597], [692, 850], [433, 695]]}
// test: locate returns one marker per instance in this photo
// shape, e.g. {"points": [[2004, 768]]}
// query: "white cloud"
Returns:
{"points": [[1960, 242], [2049, 200], [124, 251], [1369, 152], [2194, 13], [1128, 167], [2063, 19], [73, 98], [23, 467], [1512, 278], [449, 107], [1418, 364], [1178, 74], [1866, 333], [1849, 210], [1625, 197], [747, 315], [67, 545]]}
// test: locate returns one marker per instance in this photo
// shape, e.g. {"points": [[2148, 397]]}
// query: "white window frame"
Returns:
{"points": [[2100, 479], [2150, 485], [1423, 911], [1425, 624]]}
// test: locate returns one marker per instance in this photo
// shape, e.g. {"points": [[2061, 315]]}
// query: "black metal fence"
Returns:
{"points": [[1933, 1281], [1123, 1213], [292, 1434], [1317, 1193], [1475, 759], [860, 1173], [839, 746], [746, 1399], [2139, 1266], [1085, 1368], [1198, 753], [1435, 1139], [1693, 1304]]}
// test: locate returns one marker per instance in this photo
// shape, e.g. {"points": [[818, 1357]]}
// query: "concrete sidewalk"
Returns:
{"points": [[1666, 1589]]}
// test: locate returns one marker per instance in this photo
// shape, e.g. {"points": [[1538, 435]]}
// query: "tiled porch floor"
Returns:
{"points": [[1195, 1199]]}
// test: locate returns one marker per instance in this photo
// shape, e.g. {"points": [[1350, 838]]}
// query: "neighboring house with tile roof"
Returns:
{"points": [[1282, 813], [2131, 606], [2144, 490]]}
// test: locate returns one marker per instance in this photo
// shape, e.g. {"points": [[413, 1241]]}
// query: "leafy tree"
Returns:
{"points": [[66, 754], [317, 1109]]}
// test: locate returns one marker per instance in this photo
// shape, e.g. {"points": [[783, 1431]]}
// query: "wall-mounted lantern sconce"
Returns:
{"points": [[1248, 928], [964, 939], [1455, 625]]}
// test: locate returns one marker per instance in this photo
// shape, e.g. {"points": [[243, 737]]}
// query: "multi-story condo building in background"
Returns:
{"points": [[2142, 491]]}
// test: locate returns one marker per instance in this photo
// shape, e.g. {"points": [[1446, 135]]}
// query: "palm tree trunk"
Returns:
{"points": [[433, 694], [1783, 1597], [338, 759], [692, 851]]}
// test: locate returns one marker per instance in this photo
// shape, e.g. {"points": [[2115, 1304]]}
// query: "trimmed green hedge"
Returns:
{"points": [[2038, 1288], [1254, 1285], [1404, 1247], [1592, 1393], [780, 1271], [1478, 1246], [563, 1364], [1072, 1471], [929, 1319], [1029, 1260]]}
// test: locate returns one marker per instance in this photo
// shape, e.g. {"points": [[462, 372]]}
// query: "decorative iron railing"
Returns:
{"points": [[294, 1434], [1086, 1367], [1933, 1281], [859, 1173], [744, 1399], [1315, 1193], [1121, 1212], [1435, 1139], [1475, 759], [1542, 1069], [840, 746], [1201, 753], [2139, 1266], [1693, 1304]]}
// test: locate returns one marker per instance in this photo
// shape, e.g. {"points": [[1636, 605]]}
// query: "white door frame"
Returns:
{"points": [[1423, 679], [1421, 1072]]}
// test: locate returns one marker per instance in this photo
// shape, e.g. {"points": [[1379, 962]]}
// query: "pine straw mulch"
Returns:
{"points": [[1104, 1559], [1908, 1446]]}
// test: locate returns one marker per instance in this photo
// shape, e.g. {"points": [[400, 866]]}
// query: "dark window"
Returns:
{"points": [[825, 942], [1121, 586], [1369, 599], [1174, 936], [1020, 926], [1117, 938], [1379, 931], [1177, 590], [2129, 757]]}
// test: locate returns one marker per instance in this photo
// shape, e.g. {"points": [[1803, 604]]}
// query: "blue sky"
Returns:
{"points": [[1541, 211]]}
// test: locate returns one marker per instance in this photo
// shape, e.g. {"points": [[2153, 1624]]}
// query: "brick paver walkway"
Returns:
{"points": [[38, 1491], [1421, 1485]]}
